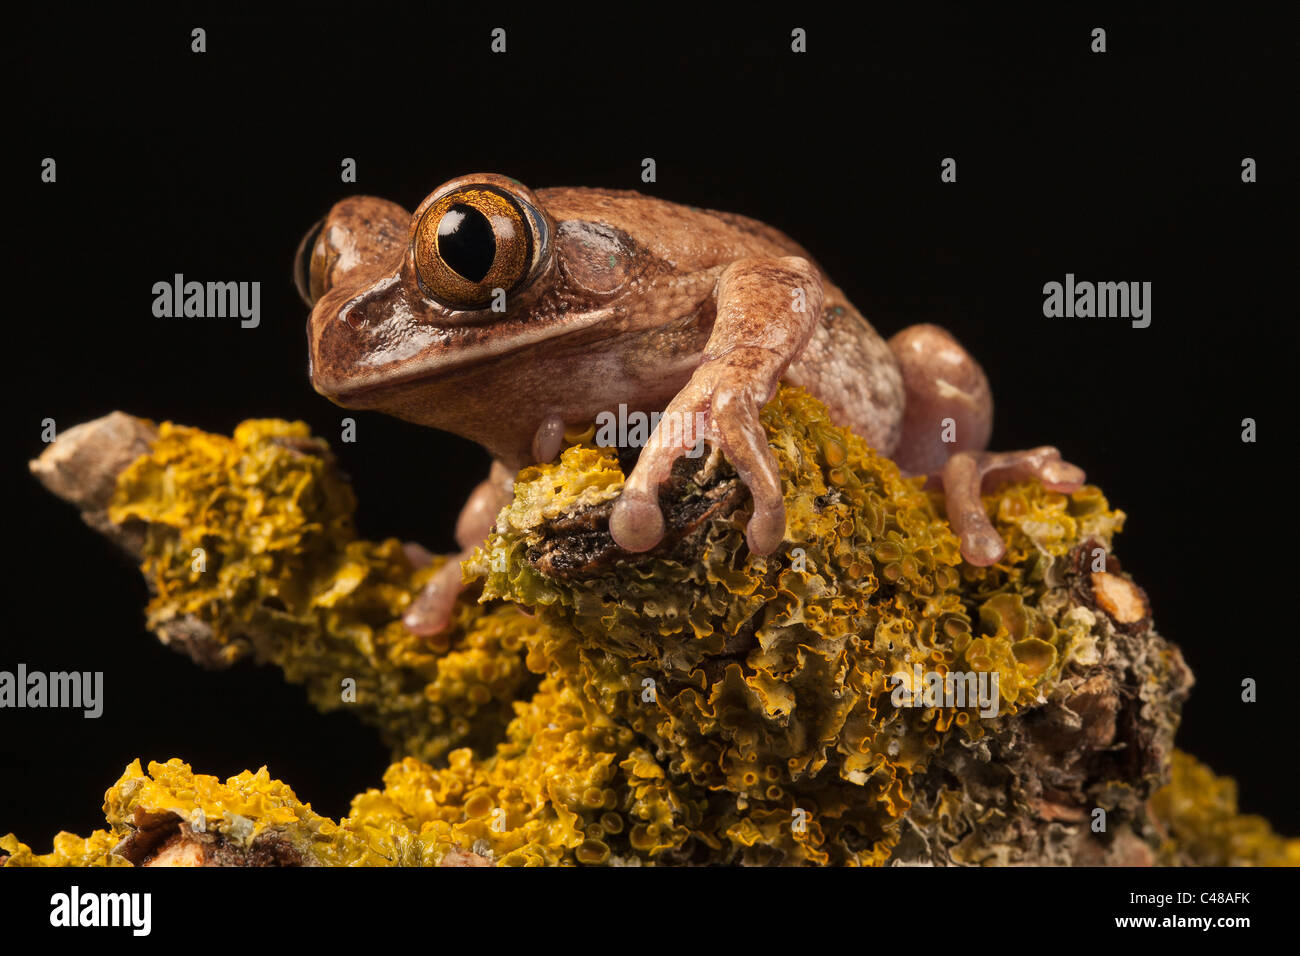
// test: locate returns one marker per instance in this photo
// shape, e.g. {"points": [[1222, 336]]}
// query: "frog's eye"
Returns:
{"points": [[311, 265], [473, 241]]}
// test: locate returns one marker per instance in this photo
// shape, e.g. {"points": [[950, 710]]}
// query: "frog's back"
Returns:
{"points": [[846, 363], [688, 237]]}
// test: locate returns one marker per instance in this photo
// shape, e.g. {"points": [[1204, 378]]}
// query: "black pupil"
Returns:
{"points": [[466, 242]]}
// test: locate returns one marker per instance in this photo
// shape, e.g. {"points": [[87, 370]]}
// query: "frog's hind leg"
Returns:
{"points": [[947, 420], [430, 612], [947, 406]]}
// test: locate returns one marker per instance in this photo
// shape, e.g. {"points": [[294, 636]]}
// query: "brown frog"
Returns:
{"points": [[505, 315]]}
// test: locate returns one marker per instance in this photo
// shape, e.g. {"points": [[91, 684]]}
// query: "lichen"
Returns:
{"points": [[146, 810], [566, 786], [1203, 826], [698, 704], [250, 541], [772, 676], [69, 850]]}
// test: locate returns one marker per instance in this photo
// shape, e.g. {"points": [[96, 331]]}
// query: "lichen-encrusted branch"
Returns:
{"points": [[775, 678], [172, 816], [248, 547], [697, 704]]}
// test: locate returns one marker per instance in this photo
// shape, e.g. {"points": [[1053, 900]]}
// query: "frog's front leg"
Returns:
{"points": [[767, 309], [430, 612], [947, 420]]}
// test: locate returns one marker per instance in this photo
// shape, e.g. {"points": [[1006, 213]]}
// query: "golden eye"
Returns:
{"points": [[472, 241]]}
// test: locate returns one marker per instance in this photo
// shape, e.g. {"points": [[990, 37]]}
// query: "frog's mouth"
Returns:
{"points": [[369, 367]]}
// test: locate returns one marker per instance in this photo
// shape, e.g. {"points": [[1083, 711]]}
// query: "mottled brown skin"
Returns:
{"points": [[634, 300]]}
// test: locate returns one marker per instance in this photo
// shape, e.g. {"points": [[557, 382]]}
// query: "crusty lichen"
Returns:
{"points": [[698, 704], [69, 850], [772, 676], [250, 548], [426, 817], [1203, 827], [150, 813], [566, 786]]}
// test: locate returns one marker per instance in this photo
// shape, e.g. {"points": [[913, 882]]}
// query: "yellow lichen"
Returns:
{"points": [[253, 537], [868, 585], [702, 704], [1198, 811], [69, 850]]}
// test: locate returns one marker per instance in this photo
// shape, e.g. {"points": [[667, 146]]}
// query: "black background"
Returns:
{"points": [[1121, 166]]}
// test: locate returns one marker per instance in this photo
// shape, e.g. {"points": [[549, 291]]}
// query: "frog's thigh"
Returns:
{"points": [[430, 613], [851, 370], [948, 407]]}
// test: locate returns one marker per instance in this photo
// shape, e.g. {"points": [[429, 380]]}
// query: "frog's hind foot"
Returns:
{"points": [[966, 474], [430, 612]]}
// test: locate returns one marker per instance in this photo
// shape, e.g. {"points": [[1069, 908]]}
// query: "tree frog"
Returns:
{"points": [[506, 316]]}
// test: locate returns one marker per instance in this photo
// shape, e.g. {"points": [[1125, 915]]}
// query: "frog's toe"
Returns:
{"points": [[1044, 463], [636, 523], [967, 474], [431, 611], [1057, 474], [766, 528], [981, 545], [417, 554], [744, 442]]}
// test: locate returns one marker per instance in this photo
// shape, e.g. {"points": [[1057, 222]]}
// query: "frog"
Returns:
{"points": [[510, 317]]}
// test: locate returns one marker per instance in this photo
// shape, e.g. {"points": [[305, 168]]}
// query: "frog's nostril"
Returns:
{"points": [[355, 318]]}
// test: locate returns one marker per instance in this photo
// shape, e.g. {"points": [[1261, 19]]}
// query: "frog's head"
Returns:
{"points": [[401, 302]]}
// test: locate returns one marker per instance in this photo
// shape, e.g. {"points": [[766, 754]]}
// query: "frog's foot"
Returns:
{"points": [[966, 474], [767, 309], [430, 612], [720, 405]]}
